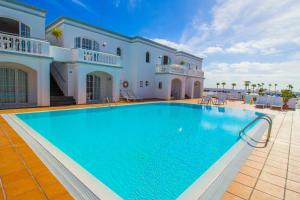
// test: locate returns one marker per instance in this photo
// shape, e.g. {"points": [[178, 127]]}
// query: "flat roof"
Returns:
{"points": [[25, 5], [129, 39]]}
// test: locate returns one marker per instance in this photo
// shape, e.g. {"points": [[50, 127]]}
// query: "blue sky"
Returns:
{"points": [[239, 40]]}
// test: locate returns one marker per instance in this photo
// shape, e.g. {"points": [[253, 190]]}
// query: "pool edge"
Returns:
{"points": [[78, 181], [215, 181]]}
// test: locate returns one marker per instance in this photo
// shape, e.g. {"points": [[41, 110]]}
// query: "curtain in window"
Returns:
{"points": [[13, 86]]}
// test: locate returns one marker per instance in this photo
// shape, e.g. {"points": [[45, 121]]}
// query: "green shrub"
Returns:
{"points": [[287, 94]]}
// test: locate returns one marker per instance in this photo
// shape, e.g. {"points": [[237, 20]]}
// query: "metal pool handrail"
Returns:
{"points": [[263, 117]]}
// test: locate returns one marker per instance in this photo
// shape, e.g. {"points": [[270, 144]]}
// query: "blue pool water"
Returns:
{"points": [[146, 151]]}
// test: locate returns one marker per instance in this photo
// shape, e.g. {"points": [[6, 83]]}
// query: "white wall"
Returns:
{"points": [[32, 18], [39, 74], [142, 71], [80, 71], [134, 68]]}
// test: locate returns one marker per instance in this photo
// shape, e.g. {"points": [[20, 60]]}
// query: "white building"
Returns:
{"points": [[88, 63]]}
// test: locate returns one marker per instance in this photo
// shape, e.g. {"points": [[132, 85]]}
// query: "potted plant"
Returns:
{"points": [[57, 33], [286, 95], [182, 62]]}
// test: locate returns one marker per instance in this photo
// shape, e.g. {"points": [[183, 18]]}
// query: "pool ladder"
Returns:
{"points": [[270, 123]]}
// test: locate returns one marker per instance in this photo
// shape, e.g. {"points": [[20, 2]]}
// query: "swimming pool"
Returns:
{"points": [[143, 151]]}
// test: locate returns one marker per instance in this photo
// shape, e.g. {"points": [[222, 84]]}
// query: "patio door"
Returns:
{"points": [[13, 86], [93, 88]]}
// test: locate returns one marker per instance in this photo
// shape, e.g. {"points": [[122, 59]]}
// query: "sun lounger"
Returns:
{"points": [[277, 103], [261, 101], [125, 95], [205, 100], [132, 95]]}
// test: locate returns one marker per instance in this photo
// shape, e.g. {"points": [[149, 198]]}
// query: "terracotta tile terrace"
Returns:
{"points": [[269, 173]]}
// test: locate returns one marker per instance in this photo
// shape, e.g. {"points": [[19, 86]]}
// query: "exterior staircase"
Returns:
{"points": [[57, 97]]}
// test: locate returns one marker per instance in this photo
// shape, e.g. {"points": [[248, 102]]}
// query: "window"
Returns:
{"points": [[96, 46], [13, 86], [141, 83], [119, 52], [160, 85], [188, 65], [147, 57], [146, 83], [86, 44], [166, 60], [25, 30], [77, 42]]}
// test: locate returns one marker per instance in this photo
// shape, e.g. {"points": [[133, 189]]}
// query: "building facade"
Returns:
{"points": [[87, 63]]}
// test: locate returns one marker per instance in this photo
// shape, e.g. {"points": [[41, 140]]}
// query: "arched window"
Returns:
{"points": [[119, 52], [147, 57]]}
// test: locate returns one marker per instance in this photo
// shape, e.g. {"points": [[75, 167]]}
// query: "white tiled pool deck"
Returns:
{"points": [[269, 173]]}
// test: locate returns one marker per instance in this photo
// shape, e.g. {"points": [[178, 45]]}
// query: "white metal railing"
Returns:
{"points": [[9, 42], [96, 57], [178, 69]]}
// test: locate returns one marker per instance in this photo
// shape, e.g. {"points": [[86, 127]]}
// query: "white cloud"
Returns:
{"points": [[283, 73], [249, 39], [82, 5]]}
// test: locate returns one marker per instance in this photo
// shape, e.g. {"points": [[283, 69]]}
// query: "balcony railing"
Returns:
{"points": [[178, 69], [195, 72], [19, 44], [96, 57]]}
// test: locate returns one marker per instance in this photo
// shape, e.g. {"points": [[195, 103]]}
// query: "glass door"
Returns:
{"points": [[93, 88], [13, 86]]}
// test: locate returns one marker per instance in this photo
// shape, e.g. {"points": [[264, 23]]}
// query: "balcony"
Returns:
{"points": [[179, 70], [14, 43], [96, 57]]}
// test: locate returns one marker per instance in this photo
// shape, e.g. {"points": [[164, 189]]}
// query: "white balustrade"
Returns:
{"points": [[23, 45], [178, 69], [96, 57]]}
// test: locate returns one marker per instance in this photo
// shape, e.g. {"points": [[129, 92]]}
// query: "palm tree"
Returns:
{"points": [[253, 87], [57, 33], [233, 85], [270, 85], [247, 83], [258, 85], [262, 85], [275, 85], [218, 85], [223, 84], [290, 87]]}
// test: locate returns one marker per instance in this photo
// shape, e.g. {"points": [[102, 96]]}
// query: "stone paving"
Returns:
{"points": [[269, 173]]}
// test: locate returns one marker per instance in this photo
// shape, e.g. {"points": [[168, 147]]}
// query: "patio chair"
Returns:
{"points": [[292, 103], [261, 101], [277, 103], [221, 99]]}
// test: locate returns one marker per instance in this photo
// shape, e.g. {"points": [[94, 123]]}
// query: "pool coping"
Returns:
{"points": [[214, 182], [83, 185]]}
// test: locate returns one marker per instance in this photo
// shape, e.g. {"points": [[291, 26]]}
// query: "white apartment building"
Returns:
{"points": [[88, 64]]}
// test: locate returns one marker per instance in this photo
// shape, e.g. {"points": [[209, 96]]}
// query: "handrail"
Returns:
{"points": [[58, 73], [263, 117]]}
